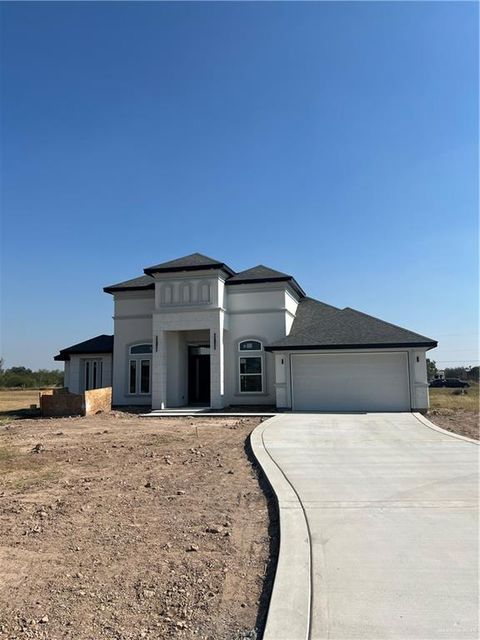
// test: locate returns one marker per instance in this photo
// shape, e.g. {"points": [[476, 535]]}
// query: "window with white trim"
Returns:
{"points": [[251, 366], [139, 369], [93, 374]]}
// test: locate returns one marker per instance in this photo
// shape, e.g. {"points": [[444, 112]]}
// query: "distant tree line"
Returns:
{"points": [[464, 373], [26, 378]]}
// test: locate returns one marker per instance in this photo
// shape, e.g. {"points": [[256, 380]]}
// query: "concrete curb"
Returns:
{"points": [[288, 615], [430, 425]]}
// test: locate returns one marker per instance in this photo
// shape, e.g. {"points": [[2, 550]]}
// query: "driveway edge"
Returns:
{"points": [[435, 427], [288, 615]]}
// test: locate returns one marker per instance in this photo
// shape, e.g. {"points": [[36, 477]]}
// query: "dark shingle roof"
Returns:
{"points": [[99, 344], [135, 284], [320, 326], [260, 273], [192, 262]]}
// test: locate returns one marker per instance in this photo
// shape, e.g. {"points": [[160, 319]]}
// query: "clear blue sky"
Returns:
{"points": [[335, 141]]}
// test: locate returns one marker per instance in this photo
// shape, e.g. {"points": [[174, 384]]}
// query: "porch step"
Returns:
{"points": [[180, 410], [205, 412]]}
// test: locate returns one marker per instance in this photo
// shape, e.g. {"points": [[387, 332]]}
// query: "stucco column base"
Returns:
{"points": [[217, 365], [159, 370]]}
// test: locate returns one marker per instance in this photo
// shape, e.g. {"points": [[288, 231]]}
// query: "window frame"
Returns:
{"points": [[92, 372], [250, 350], [137, 360], [251, 353]]}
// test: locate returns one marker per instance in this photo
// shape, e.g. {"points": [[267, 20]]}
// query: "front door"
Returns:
{"points": [[199, 375]]}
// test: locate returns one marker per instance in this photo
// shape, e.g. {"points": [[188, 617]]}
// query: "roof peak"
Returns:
{"points": [[261, 270], [261, 273], [191, 262]]}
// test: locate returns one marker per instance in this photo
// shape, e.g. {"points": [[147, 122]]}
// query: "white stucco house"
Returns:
{"points": [[192, 331]]}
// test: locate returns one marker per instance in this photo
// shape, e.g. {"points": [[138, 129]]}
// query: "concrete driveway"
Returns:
{"points": [[379, 528]]}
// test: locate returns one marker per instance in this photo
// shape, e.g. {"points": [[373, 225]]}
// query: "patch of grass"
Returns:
{"points": [[15, 399], [34, 479], [445, 398], [6, 456], [18, 472], [15, 404], [10, 460]]}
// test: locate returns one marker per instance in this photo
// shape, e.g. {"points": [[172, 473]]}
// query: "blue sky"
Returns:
{"points": [[334, 141]]}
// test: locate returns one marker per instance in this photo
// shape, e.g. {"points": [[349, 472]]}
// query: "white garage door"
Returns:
{"points": [[350, 382]]}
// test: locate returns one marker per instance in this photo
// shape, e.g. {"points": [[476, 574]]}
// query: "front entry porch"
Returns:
{"points": [[187, 368]]}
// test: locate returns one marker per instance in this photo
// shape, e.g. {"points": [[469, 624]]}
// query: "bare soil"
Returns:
{"points": [[461, 421], [120, 527]]}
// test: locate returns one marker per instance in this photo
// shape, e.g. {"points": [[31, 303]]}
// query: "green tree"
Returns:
{"points": [[23, 377], [431, 369], [457, 372], [473, 374]]}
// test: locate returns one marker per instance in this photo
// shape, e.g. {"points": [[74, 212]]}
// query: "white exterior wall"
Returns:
{"points": [[186, 308], [133, 325], [107, 370], [261, 311], [66, 373], [291, 304], [76, 370], [417, 361], [417, 372], [74, 377]]}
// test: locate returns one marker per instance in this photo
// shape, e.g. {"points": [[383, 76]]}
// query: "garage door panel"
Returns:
{"points": [[350, 382]]}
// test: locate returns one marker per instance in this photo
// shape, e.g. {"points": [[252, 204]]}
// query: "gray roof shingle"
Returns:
{"points": [[320, 326], [135, 284], [258, 272], [192, 262], [100, 344], [261, 273]]}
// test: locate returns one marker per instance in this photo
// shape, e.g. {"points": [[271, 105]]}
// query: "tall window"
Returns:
{"points": [[93, 374], [139, 367], [251, 366]]}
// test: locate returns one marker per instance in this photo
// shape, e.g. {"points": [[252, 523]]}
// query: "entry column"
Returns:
{"points": [[159, 369], [217, 365]]}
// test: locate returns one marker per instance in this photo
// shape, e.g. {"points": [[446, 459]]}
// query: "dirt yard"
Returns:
{"points": [[120, 527], [456, 411]]}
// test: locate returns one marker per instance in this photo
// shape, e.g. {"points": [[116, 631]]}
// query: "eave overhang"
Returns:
{"points": [[329, 347]]}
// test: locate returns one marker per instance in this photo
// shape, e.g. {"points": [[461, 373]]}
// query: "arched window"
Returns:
{"points": [[250, 345], [139, 367], [251, 366]]}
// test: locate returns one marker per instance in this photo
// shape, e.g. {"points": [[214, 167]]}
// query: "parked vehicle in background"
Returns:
{"points": [[455, 382], [449, 382]]}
